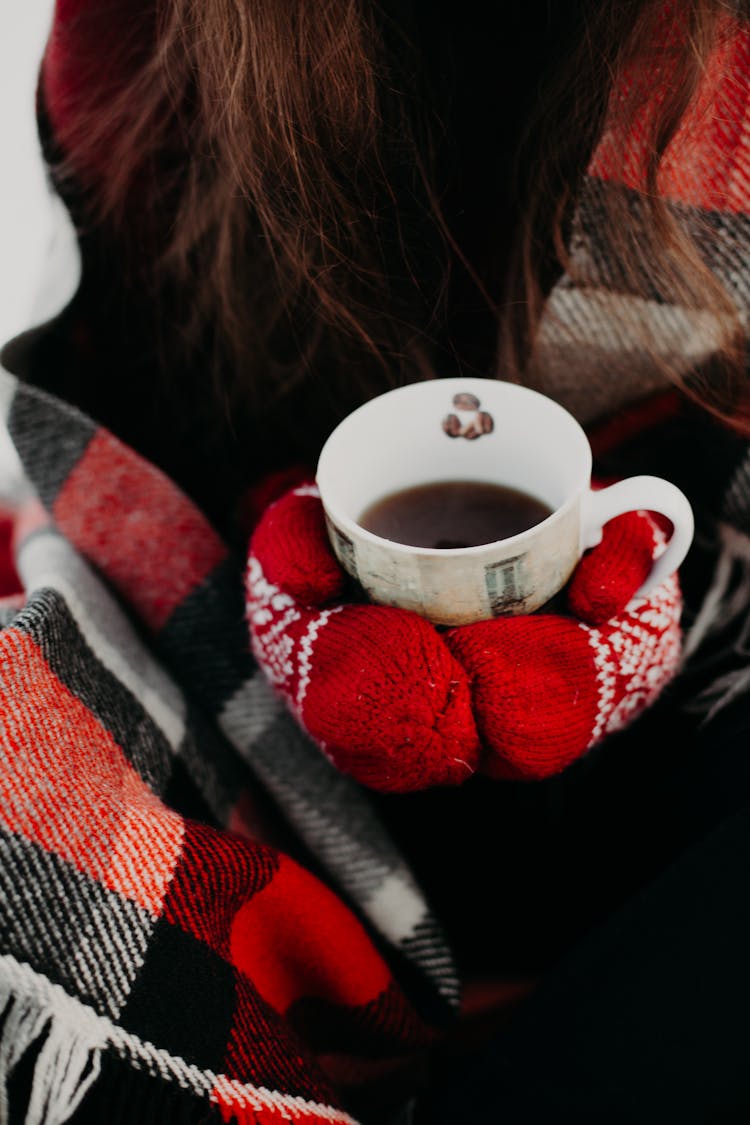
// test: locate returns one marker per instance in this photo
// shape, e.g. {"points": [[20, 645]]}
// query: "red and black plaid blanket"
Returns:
{"points": [[191, 895]]}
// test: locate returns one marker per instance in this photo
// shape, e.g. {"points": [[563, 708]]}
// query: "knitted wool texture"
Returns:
{"points": [[401, 706], [375, 687]]}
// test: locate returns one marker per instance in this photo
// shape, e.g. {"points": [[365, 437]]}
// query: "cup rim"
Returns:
{"points": [[349, 526]]}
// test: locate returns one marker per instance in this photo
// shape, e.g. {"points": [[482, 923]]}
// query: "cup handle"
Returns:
{"points": [[652, 494]]}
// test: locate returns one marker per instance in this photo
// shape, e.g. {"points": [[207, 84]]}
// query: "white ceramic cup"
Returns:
{"points": [[478, 430]]}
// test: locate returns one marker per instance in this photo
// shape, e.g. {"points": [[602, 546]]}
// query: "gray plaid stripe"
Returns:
{"points": [[597, 350], [334, 817], [90, 940], [50, 437], [424, 948], [722, 238], [736, 507]]}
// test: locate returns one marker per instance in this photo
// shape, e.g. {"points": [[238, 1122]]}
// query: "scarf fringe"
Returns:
{"points": [[79, 1055], [725, 604], [67, 1061]]}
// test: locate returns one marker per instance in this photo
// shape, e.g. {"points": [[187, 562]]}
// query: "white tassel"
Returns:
{"points": [[65, 1069], [721, 693], [704, 623], [718, 611], [68, 1060], [22, 1024], [718, 608]]}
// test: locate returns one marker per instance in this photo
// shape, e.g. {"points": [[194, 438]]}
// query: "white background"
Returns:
{"points": [[25, 217]]}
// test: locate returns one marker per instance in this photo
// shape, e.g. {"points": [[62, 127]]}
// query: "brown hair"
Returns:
{"points": [[282, 160]]}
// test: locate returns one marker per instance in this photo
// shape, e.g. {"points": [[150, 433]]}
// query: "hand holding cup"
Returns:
{"points": [[401, 705]]}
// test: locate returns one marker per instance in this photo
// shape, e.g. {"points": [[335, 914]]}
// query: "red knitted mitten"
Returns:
{"points": [[376, 687], [401, 706], [546, 688]]}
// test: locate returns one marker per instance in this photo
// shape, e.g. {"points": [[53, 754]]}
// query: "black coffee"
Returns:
{"points": [[453, 513]]}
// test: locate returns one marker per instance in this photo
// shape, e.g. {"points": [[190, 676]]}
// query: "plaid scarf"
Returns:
{"points": [[151, 921], [604, 334]]}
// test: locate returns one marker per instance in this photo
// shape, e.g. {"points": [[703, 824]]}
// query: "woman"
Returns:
{"points": [[283, 210]]}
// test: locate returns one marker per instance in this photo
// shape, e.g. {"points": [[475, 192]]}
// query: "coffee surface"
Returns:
{"points": [[460, 513]]}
